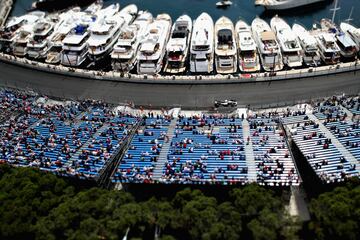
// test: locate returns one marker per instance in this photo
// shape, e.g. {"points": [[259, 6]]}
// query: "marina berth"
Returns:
{"points": [[25, 33], [309, 45], [289, 43], [269, 50], [152, 50], [348, 48], [285, 4], [225, 46], [38, 45], [124, 53], [247, 50], [352, 31], [177, 49], [104, 33], [62, 28], [202, 45]]}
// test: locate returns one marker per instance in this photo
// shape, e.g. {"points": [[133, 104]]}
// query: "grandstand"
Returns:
{"points": [[91, 139]]}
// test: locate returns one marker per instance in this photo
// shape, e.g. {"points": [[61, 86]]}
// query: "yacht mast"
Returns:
{"points": [[334, 10], [350, 15]]}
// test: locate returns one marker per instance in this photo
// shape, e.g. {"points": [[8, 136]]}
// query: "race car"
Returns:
{"points": [[225, 103]]}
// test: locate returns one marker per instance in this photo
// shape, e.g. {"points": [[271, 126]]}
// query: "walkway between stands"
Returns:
{"points": [[249, 152], [158, 170], [348, 156]]}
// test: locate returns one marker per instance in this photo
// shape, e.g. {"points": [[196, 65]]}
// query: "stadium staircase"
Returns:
{"points": [[250, 159], [348, 156], [164, 150]]}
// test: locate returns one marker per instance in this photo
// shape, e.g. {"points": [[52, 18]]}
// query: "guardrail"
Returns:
{"points": [[195, 79]]}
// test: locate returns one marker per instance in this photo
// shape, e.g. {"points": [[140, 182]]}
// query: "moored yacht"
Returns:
{"points": [[25, 33], [177, 49], [74, 46], [104, 33], [348, 48], [202, 45], [352, 31], [309, 45], [285, 4], [124, 54], [269, 50], [225, 46], [247, 50], [289, 43], [329, 50], [38, 45], [66, 23], [152, 50]]}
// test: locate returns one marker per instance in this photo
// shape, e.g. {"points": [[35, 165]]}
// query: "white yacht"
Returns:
{"points": [[348, 48], [289, 43], [104, 33], [124, 54], [285, 4], [225, 46], [38, 45], [329, 50], [25, 33], [74, 46], [202, 45], [177, 49], [9, 31], [269, 50], [247, 50], [152, 50], [352, 31], [67, 22], [309, 45]]}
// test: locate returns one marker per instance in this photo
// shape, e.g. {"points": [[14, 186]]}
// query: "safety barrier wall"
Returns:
{"points": [[194, 79]]}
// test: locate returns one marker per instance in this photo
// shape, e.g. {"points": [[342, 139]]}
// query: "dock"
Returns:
{"points": [[6, 7]]}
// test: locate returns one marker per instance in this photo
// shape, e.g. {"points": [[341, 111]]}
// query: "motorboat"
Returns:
{"points": [[202, 45], [124, 54], [309, 45], [352, 31], [247, 49], [285, 4], [104, 33], [177, 49], [225, 46], [38, 45], [74, 46], [66, 23], [153, 48], [348, 48], [224, 4], [25, 33], [289, 43], [328, 49], [269, 49]]}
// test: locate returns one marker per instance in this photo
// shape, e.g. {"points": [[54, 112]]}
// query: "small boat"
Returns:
{"points": [[177, 49], [309, 45], [225, 46], [202, 45], [285, 4], [289, 43], [153, 48], [269, 49], [224, 3], [247, 50], [124, 54]]}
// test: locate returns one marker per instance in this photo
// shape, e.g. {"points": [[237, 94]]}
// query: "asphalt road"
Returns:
{"points": [[257, 94]]}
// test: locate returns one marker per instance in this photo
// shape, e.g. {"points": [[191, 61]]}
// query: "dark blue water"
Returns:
{"points": [[244, 9]]}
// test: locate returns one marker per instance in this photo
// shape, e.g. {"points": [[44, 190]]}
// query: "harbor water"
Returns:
{"points": [[244, 9]]}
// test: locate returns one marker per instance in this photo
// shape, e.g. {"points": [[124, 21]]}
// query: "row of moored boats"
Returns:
{"points": [[137, 41]]}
